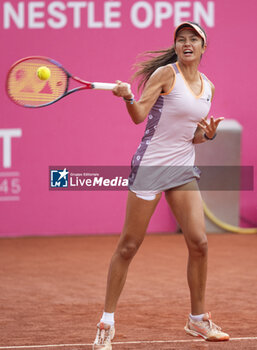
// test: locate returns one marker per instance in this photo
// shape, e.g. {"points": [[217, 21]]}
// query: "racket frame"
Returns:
{"points": [[86, 84]]}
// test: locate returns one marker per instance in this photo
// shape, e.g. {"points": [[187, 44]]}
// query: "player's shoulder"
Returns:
{"points": [[210, 83], [206, 78], [167, 69], [212, 87], [164, 72]]}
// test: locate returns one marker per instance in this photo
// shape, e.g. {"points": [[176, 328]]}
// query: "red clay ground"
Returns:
{"points": [[52, 292]]}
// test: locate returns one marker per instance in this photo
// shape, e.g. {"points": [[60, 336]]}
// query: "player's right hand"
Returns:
{"points": [[122, 90]]}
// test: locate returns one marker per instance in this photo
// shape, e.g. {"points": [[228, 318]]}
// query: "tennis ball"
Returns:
{"points": [[43, 73]]}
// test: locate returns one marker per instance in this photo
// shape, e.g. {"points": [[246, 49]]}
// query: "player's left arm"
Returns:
{"points": [[203, 127]]}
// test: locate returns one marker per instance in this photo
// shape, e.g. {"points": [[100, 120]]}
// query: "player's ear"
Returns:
{"points": [[204, 48]]}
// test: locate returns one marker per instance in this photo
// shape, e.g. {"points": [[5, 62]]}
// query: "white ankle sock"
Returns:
{"points": [[108, 318], [196, 318]]}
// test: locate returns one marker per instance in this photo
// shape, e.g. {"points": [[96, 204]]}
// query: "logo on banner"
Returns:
{"points": [[10, 186], [59, 178]]}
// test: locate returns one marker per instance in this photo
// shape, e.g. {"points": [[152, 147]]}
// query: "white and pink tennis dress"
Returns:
{"points": [[165, 157]]}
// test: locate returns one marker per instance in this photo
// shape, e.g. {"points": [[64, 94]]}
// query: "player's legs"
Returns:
{"points": [[186, 204], [138, 215]]}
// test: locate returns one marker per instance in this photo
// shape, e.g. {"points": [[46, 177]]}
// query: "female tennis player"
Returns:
{"points": [[176, 98]]}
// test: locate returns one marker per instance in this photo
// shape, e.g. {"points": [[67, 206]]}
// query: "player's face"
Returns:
{"points": [[189, 46]]}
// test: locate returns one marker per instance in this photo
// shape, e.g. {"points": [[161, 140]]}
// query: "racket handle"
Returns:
{"points": [[105, 86]]}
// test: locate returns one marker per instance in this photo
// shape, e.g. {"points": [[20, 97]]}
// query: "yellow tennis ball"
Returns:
{"points": [[43, 73]]}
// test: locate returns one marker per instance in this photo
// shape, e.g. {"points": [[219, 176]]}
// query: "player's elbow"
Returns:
{"points": [[138, 121], [138, 118]]}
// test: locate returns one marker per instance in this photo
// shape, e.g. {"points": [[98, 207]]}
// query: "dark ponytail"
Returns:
{"points": [[152, 61]]}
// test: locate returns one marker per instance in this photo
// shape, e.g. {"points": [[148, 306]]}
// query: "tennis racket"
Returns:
{"points": [[26, 89]]}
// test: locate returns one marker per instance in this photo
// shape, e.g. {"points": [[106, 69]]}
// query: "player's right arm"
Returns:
{"points": [[159, 82]]}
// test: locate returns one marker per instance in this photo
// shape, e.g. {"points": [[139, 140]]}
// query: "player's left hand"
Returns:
{"points": [[210, 128]]}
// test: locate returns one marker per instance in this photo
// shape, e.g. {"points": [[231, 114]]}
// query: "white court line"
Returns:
{"points": [[119, 343]]}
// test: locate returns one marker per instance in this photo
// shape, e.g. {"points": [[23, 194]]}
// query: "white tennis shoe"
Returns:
{"points": [[205, 329], [105, 334]]}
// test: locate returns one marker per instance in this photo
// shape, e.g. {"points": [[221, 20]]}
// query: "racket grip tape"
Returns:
{"points": [[104, 86]]}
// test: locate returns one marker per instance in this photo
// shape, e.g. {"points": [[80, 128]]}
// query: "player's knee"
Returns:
{"points": [[128, 250], [203, 247], [199, 247]]}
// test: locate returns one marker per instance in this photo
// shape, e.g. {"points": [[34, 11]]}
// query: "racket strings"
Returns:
{"points": [[26, 88]]}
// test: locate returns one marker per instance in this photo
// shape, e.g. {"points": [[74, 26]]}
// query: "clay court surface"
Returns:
{"points": [[52, 293]]}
